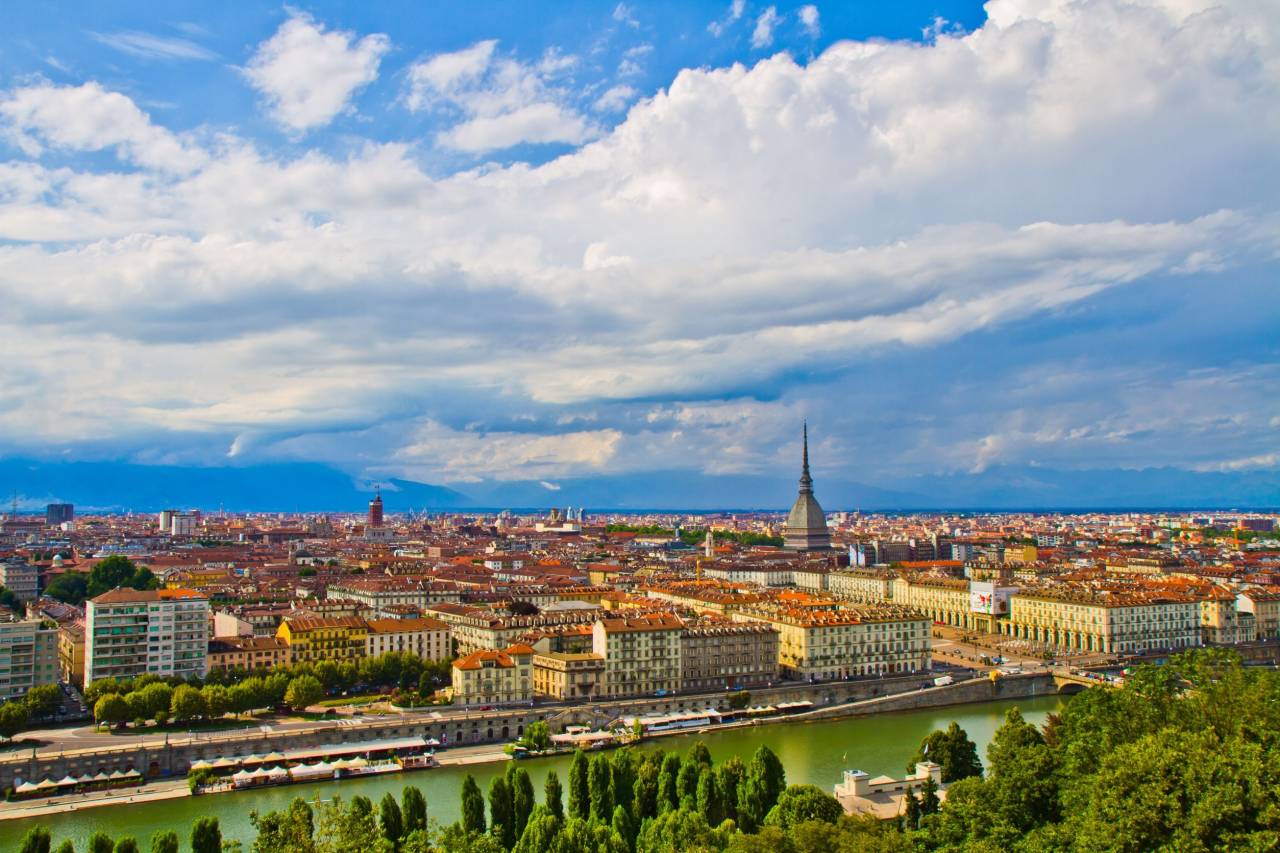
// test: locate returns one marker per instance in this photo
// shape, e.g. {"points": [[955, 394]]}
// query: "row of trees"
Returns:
{"points": [[40, 702], [206, 837], [390, 670], [149, 697]]}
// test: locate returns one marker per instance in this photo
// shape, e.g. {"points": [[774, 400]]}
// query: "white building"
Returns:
{"points": [[28, 656], [21, 578]]}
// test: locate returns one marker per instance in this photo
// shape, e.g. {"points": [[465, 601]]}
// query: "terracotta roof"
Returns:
{"points": [[124, 595]]}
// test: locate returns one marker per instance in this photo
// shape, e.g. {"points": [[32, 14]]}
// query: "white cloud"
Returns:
{"points": [[152, 46], [809, 20], [736, 8], [503, 102], [90, 118], [742, 225], [762, 35], [309, 75], [615, 98], [623, 14]]}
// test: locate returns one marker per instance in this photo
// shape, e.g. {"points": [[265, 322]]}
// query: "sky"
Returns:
{"points": [[470, 243]]}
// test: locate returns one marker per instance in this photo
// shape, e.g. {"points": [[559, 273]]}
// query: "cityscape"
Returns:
{"points": [[723, 426]]}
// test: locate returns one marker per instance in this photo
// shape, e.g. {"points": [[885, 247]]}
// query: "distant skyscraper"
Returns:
{"points": [[806, 527], [375, 510], [55, 514]]}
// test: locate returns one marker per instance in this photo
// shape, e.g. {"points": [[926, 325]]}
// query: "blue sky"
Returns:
{"points": [[482, 242]]}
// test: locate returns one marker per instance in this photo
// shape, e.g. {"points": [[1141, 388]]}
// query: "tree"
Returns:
{"points": [[699, 754], [288, 831], [413, 807], [217, 700], [341, 828], [761, 788], [206, 836], [601, 787], [187, 704], [153, 699], [107, 574], [111, 709], [623, 824], [501, 818], [710, 798], [37, 840], [687, 784], [929, 803], [68, 587], [303, 691], [669, 783], [391, 819], [523, 608], [537, 736], [579, 786], [472, 806], [43, 700], [677, 831], [644, 793], [552, 795], [952, 750], [66, 846], [128, 844], [801, 803], [522, 797], [731, 772], [100, 842], [13, 718], [165, 841], [911, 818]]}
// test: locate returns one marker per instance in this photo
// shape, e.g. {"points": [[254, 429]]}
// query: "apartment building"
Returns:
{"points": [[943, 600], [568, 675], [71, 652], [871, 586], [1220, 622], [726, 655], [475, 628], [641, 653], [493, 677], [28, 656], [317, 638], [21, 578], [426, 638], [846, 641], [1106, 621], [248, 653], [130, 632], [1264, 605]]}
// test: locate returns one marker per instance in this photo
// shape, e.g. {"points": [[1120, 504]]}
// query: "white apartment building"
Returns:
{"points": [[426, 638], [21, 578], [129, 632]]}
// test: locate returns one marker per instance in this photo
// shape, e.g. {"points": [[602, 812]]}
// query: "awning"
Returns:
{"points": [[25, 788], [67, 781]]}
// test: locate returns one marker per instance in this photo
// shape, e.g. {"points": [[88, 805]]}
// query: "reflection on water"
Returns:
{"points": [[815, 753]]}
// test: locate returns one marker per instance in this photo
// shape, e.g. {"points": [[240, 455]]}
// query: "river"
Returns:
{"points": [[815, 753]]}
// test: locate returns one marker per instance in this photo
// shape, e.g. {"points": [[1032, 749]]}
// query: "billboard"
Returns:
{"points": [[986, 597]]}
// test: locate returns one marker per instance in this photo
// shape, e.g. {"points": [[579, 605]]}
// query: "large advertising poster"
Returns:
{"points": [[986, 597]]}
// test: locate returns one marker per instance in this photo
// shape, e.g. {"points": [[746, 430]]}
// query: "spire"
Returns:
{"points": [[806, 482]]}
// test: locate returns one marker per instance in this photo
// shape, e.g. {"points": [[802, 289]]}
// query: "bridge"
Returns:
{"points": [[1073, 681]]}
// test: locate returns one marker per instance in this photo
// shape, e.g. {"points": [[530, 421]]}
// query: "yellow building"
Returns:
{"points": [[842, 642], [944, 600], [317, 638], [491, 677], [71, 652], [1264, 605], [1107, 622], [568, 675], [426, 638], [248, 653]]}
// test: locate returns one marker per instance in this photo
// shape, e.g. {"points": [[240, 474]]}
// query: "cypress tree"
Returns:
{"points": [[668, 784], [472, 806], [413, 809], [553, 795], [391, 819], [501, 820], [601, 788], [579, 787]]}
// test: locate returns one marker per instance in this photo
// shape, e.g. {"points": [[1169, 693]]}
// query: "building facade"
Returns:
{"points": [[426, 638], [727, 655], [492, 677], [641, 654], [28, 656], [164, 632]]}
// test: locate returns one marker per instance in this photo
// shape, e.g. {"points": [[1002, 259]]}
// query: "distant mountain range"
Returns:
{"points": [[313, 487]]}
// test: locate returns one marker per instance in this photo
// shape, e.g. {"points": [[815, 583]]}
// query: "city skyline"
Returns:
{"points": [[1004, 255]]}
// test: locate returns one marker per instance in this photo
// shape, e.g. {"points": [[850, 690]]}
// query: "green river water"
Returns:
{"points": [[815, 753]]}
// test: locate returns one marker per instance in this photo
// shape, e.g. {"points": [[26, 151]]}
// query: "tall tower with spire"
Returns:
{"points": [[375, 509], [806, 527]]}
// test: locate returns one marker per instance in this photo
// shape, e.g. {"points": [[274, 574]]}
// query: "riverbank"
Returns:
{"points": [[959, 693], [813, 752]]}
